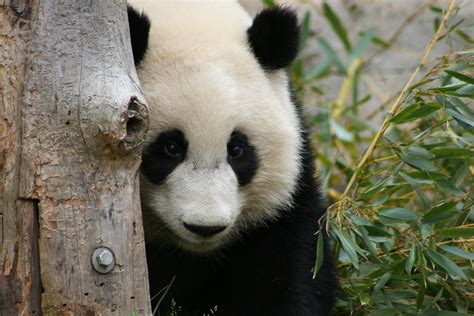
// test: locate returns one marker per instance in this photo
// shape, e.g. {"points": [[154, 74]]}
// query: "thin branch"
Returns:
{"points": [[398, 102], [399, 31]]}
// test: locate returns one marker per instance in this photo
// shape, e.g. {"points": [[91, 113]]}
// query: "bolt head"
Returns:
{"points": [[105, 258]]}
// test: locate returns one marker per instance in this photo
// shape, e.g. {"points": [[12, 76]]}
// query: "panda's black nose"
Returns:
{"points": [[204, 231]]}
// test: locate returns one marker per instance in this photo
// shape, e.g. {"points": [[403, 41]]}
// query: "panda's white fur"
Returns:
{"points": [[230, 202], [208, 94]]}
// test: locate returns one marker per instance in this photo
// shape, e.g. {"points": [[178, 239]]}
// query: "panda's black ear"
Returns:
{"points": [[139, 29], [274, 37]]}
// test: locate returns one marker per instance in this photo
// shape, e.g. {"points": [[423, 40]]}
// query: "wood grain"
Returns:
{"points": [[82, 119]]}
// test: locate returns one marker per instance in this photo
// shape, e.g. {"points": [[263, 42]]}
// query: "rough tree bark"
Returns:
{"points": [[72, 119]]}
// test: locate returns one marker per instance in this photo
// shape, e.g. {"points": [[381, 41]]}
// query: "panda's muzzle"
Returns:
{"points": [[204, 231]]}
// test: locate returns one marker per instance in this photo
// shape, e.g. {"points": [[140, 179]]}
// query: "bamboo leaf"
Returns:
{"points": [[439, 213], [337, 26], [448, 313], [318, 70], [452, 152], [448, 88], [466, 91], [410, 260], [269, 3], [418, 157], [331, 54], [448, 187], [380, 42], [447, 264], [319, 254], [379, 232], [414, 112], [382, 281], [459, 117], [458, 232], [340, 131], [399, 213], [361, 46], [460, 76], [304, 29], [458, 252], [349, 247], [461, 106]]}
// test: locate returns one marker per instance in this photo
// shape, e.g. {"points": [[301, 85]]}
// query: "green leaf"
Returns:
{"points": [[425, 175], [447, 264], [416, 184], [459, 232], [349, 246], [452, 152], [370, 245], [448, 187], [417, 152], [448, 88], [444, 207], [458, 252], [322, 120], [460, 76], [269, 3], [461, 172], [304, 29], [362, 45], [319, 254], [331, 54], [318, 70], [465, 52], [424, 110], [340, 131], [466, 91], [426, 231], [418, 157], [414, 112], [411, 259], [436, 9], [460, 105], [439, 213], [337, 26], [403, 114], [378, 41], [382, 281], [466, 37], [399, 213], [378, 232], [422, 283], [448, 313], [458, 116]]}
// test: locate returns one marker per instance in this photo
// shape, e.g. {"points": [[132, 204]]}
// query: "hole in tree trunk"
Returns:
{"points": [[137, 123]]}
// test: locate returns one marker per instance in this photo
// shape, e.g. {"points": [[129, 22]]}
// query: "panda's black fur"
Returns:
{"points": [[268, 271]]}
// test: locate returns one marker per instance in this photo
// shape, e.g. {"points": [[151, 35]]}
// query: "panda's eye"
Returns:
{"points": [[235, 151], [172, 150]]}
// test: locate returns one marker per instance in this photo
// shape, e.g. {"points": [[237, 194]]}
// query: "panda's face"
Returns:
{"points": [[222, 153]]}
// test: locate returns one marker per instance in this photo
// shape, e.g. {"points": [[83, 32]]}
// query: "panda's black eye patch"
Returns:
{"points": [[173, 150], [242, 157], [235, 151], [163, 155]]}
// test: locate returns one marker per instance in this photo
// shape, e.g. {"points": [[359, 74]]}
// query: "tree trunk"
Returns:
{"points": [[72, 119]]}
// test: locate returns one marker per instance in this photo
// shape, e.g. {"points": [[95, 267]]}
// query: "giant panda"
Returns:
{"points": [[230, 202]]}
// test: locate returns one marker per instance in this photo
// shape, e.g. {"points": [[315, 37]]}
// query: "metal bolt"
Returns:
{"points": [[103, 260]]}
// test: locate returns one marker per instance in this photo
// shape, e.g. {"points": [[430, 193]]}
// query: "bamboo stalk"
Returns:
{"points": [[396, 105]]}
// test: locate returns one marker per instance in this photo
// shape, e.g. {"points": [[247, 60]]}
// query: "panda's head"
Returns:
{"points": [[222, 153]]}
